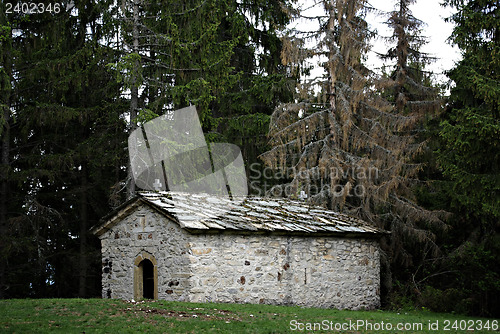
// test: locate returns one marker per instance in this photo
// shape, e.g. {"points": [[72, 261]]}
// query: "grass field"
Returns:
{"points": [[116, 316]]}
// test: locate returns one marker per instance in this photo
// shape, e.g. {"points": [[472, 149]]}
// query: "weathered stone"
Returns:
{"points": [[201, 251], [231, 267]]}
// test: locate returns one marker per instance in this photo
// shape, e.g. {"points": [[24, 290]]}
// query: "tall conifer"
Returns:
{"points": [[471, 129], [345, 147], [68, 136]]}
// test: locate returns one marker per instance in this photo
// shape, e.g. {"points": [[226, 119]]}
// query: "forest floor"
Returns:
{"points": [[116, 316]]}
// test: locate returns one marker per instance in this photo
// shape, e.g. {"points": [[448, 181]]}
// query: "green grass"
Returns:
{"points": [[116, 316]]}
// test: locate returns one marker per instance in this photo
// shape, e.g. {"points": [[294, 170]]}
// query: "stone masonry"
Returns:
{"points": [[226, 266]]}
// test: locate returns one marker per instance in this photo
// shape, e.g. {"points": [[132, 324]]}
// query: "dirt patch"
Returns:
{"points": [[207, 314]]}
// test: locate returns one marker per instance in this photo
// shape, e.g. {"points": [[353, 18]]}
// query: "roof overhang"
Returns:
{"points": [[278, 221]]}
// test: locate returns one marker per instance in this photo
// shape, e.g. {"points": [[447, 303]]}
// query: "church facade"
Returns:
{"points": [[198, 248]]}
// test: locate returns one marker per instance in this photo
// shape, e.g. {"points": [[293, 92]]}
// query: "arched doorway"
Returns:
{"points": [[145, 277]]}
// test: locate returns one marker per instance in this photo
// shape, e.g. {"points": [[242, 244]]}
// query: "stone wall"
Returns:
{"points": [[311, 271], [145, 230], [317, 272]]}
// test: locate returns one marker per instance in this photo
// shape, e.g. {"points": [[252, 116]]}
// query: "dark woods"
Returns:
{"points": [[74, 83]]}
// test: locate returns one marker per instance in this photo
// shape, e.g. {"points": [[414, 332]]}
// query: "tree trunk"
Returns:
{"points": [[134, 91], [82, 288]]}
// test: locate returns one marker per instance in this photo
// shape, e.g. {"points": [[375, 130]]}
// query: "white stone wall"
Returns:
{"points": [[271, 269], [145, 230], [316, 272]]}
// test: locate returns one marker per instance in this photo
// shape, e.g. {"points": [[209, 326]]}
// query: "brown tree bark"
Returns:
{"points": [[82, 287], [134, 92]]}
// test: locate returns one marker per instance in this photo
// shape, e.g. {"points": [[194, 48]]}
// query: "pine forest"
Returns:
{"points": [[292, 84]]}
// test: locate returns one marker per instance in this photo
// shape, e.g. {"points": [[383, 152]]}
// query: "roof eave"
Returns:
{"points": [[107, 222], [357, 235]]}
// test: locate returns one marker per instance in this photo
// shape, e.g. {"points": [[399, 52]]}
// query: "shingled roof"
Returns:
{"points": [[204, 213]]}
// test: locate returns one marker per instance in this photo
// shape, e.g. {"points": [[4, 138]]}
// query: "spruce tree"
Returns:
{"points": [[469, 159], [68, 139], [221, 56], [471, 129], [410, 90], [409, 86], [346, 147]]}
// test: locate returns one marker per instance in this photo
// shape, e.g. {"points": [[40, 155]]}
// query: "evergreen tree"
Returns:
{"points": [[347, 147], [408, 87], [222, 56], [469, 159], [242, 111], [354, 145], [68, 140], [471, 131]]}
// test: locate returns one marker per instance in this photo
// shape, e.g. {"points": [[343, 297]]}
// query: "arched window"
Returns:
{"points": [[145, 277]]}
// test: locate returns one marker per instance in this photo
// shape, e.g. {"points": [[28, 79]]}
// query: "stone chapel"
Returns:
{"points": [[200, 248]]}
